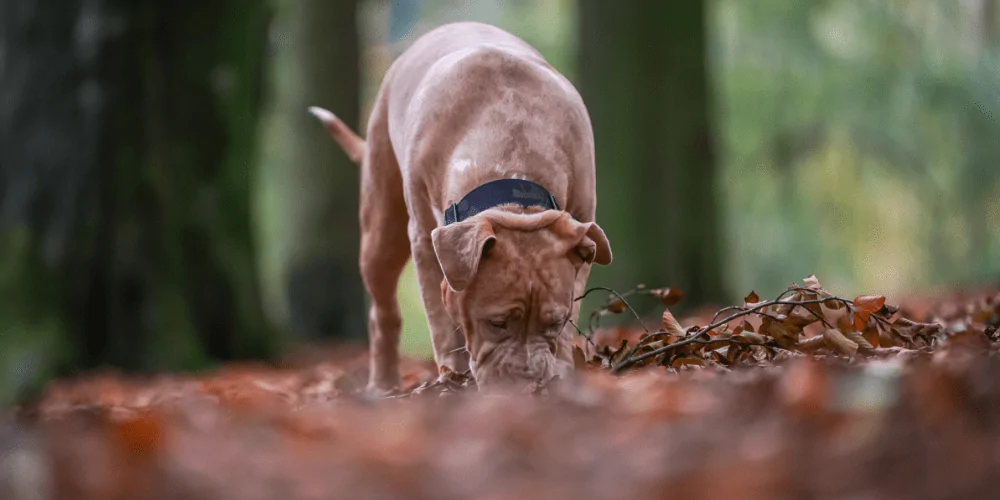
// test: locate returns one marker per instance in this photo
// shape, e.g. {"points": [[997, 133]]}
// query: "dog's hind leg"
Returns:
{"points": [[385, 248]]}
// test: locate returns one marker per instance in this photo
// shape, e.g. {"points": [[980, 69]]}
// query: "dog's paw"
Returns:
{"points": [[381, 391]]}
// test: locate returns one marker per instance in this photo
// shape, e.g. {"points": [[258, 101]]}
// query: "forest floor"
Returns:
{"points": [[809, 396]]}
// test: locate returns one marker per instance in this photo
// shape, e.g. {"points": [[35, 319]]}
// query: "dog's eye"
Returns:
{"points": [[557, 322], [498, 323]]}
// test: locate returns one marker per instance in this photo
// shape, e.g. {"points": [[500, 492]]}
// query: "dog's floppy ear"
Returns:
{"points": [[593, 246], [459, 247]]}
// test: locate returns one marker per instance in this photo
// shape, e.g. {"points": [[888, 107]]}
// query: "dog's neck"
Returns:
{"points": [[510, 193]]}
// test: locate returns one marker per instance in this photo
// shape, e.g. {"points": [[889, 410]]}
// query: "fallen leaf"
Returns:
{"points": [[725, 355], [753, 338], [679, 362], [668, 296], [864, 347], [616, 307], [869, 303], [618, 355], [745, 326], [834, 304], [785, 335], [812, 282], [860, 320], [838, 342], [721, 332], [671, 325], [579, 360], [887, 311], [886, 336], [751, 299], [812, 343], [871, 334], [802, 316]]}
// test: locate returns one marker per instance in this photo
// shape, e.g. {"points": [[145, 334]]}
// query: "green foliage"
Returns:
{"points": [[32, 335], [859, 143]]}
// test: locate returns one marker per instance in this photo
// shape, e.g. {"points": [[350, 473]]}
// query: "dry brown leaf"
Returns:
{"points": [[887, 311], [787, 336], [579, 359], [869, 303], [838, 342], [751, 299], [860, 320], [871, 334], [670, 324], [864, 347], [812, 343], [887, 337], [726, 355], [744, 326], [617, 306], [679, 362], [668, 296], [812, 282], [620, 353], [835, 305], [786, 309], [753, 338], [801, 317], [910, 329], [721, 332]]}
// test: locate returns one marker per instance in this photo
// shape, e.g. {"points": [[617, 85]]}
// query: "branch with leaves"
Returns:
{"points": [[862, 326]]}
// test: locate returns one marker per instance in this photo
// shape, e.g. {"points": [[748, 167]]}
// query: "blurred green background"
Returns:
{"points": [[166, 202]]}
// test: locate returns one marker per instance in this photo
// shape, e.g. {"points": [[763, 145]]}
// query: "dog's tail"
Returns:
{"points": [[353, 144]]}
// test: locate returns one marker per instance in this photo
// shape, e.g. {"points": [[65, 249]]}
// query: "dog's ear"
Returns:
{"points": [[459, 247], [592, 244]]}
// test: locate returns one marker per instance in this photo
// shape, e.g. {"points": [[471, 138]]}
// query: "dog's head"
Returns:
{"points": [[509, 283]]}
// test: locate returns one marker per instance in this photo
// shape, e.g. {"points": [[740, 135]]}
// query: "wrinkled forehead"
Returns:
{"points": [[526, 268]]}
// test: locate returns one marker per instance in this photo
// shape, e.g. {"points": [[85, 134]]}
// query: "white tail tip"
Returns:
{"points": [[324, 115]]}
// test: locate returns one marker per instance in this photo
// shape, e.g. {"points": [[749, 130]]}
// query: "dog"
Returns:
{"points": [[479, 163]]}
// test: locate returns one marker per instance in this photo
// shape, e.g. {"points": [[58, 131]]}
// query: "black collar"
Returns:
{"points": [[522, 192]]}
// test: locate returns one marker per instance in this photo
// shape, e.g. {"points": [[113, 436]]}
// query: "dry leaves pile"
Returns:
{"points": [[802, 320], [806, 396]]}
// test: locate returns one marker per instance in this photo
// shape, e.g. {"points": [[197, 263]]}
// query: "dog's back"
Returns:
{"points": [[470, 103]]}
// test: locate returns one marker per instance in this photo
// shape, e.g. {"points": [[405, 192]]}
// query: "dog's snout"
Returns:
{"points": [[540, 361]]}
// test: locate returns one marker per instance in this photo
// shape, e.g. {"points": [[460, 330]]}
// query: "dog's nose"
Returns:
{"points": [[540, 363]]}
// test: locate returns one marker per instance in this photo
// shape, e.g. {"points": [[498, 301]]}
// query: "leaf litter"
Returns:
{"points": [[808, 395]]}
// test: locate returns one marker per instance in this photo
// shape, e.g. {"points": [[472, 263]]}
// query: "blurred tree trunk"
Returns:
{"points": [[643, 73], [125, 145], [988, 23], [307, 188], [200, 67]]}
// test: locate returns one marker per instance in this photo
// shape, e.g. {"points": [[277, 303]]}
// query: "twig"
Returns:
{"points": [[621, 298], [778, 300], [631, 359], [590, 340], [688, 341]]}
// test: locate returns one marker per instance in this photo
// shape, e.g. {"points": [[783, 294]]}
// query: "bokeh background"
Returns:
{"points": [[166, 203]]}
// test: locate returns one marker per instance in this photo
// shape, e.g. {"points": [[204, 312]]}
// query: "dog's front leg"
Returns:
{"points": [[446, 337]]}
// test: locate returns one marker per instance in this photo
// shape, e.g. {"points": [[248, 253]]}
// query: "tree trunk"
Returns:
{"points": [[307, 187], [125, 144], [643, 75], [988, 23]]}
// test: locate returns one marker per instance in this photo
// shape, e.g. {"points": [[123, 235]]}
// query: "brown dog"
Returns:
{"points": [[499, 266]]}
